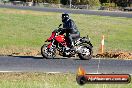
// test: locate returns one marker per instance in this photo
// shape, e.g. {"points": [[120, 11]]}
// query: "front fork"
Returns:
{"points": [[51, 46]]}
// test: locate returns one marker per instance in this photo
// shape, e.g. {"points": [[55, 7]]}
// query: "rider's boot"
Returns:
{"points": [[72, 46]]}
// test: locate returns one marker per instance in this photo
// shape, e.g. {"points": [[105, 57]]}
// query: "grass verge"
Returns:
{"points": [[45, 80], [23, 31]]}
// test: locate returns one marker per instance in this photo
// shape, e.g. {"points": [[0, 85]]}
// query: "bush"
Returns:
{"points": [[51, 1], [64, 2], [94, 2], [81, 2]]}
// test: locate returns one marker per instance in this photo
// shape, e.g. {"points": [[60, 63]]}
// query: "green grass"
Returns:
{"points": [[29, 29], [44, 80]]}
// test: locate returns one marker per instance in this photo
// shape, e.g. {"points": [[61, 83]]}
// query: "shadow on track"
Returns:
{"points": [[33, 57]]}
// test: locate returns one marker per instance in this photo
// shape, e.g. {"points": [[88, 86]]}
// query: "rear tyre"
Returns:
{"points": [[86, 53], [46, 53]]}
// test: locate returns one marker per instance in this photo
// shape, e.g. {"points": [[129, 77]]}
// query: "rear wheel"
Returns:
{"points": [[86, 53], [47, 53]]}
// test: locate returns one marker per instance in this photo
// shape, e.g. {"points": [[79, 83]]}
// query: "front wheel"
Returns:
{"points": [[47, 53], [85, 53]]}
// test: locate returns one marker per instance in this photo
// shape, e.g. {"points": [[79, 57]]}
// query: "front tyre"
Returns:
{"points": [[47, 53], [86, 53]]}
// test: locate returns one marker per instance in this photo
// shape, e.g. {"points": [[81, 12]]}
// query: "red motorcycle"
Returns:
{"points": [[59, 45]]}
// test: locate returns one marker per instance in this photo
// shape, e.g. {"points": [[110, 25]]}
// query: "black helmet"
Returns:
{"points": [[65, 17]]}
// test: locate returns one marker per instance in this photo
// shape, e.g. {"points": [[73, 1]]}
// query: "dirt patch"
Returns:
{"points": [[19, 52], [119, 55], [32, 53], [35, 52]]}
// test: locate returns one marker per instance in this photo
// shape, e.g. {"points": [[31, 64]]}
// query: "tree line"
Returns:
{"points": [[122, 3], [84, 2], [66, 2]]}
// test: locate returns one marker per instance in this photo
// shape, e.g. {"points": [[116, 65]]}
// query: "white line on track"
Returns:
{"points": [[46, 72], [8, 71]]}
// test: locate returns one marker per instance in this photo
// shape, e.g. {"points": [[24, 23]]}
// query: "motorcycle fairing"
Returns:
{"points": [[51, 37], [61, 39]]}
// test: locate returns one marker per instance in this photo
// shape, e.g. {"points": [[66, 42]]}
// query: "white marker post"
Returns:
{"points": [[70, 3]]}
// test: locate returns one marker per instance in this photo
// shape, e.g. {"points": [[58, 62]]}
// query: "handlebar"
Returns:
{"points": [[60, 25]]}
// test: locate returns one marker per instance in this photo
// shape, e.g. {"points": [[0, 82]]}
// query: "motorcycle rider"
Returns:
{"points": [[69, 27]]}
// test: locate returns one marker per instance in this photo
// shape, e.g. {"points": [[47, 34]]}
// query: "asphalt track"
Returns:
{"points": [[89, 12], [37, 64]]}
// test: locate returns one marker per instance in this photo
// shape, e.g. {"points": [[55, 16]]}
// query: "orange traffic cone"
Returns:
{"points": [[102, 45]]}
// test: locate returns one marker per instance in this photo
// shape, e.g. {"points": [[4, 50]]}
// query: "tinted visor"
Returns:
{"points": [[65, 16]]}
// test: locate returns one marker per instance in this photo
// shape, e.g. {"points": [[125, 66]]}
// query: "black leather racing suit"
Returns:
{"points": [[71, 31]]}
